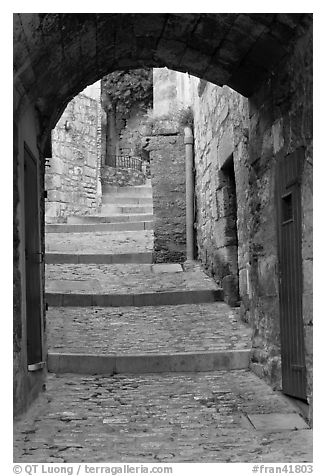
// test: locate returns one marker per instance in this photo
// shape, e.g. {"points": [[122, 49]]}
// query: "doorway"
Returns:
{"points": [[288, 186], [33, 260]]}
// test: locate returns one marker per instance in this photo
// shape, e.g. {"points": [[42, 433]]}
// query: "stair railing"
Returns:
{"points": [[125, 162]]}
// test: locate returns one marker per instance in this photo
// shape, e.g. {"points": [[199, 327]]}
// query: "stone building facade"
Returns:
{"points": [[72, 178]]}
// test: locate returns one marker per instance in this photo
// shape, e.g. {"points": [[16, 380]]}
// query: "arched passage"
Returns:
{"points": [[57, 55], [262, 56]]}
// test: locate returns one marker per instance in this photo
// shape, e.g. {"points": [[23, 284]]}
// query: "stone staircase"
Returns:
{"points": [[141, 380], [123, 209], [137, 374], [115, 312]]}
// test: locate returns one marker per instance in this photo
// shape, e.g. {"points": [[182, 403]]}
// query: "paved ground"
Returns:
{"points": [[169, 417], [197, 417], [104, 242], [122, 279], [152, 329]]}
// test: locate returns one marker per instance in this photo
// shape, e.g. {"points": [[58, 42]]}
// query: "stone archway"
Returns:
{"points": [[266, 57], [57, 55]]}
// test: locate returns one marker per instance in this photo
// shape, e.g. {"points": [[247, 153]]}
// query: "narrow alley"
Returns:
{"points": [[158, 372], [162, 232]]}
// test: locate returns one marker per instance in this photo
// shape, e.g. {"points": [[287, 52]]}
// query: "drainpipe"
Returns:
{"points": [[189, 140]]}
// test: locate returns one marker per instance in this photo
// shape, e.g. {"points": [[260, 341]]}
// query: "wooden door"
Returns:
{"points": [[32, 261], [288, 192]]}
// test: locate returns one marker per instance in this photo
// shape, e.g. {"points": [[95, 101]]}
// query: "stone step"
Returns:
{"points": [[83, 258], [148, 363], [63, 299], [119, 199], [119, 218], [99, 227], [126, 209], [137, 190], [208, 327]]}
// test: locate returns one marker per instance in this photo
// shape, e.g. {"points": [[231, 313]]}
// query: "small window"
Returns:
{"points": [[287, 208]]}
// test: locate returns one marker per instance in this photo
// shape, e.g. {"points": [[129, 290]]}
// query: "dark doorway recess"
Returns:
{"points": [[230, 281], [33, 260]]}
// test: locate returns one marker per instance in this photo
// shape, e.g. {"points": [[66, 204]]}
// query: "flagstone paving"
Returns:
{"points": [[194, 417], [218, 416], [122, 278], [100, 242]]}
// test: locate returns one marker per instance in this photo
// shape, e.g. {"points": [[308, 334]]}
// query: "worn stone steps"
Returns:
{"points": [[148, 363], [86, 258], [99, 227], [120, 199], [163, 298], [124, 242], [117, 209], [102, 218], [137, 190]]}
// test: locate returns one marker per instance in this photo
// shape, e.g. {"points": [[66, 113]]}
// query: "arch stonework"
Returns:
{"points": [[265, 57], [57, 55]]}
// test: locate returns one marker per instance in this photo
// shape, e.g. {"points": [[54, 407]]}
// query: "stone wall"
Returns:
{"points": [[133, 133], [167, 162], [122, 177], [220, 137], [130, 139], [278, 122], [72, 179], [167, 158]]}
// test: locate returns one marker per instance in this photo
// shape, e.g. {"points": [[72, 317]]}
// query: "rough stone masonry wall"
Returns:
{"points": [[220, 133], [72, 178], [167, 158], [131, 136], [280, 123], [129, 144], [119, 177]]}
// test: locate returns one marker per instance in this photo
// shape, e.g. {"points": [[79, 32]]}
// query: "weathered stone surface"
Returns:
{"points": [[125, 278], [121, 177], [195, 417], [72, 178], [220, 122], [276, 127], [139, 330], [280, 118], [167, 156]]}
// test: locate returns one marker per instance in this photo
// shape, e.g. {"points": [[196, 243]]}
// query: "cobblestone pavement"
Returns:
{"points": [[158, 329], [100, 243], [195, 417], [122, 279], [171, 417]]}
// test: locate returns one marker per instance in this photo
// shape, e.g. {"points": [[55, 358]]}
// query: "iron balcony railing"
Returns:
{"points": [[125, 162]]}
